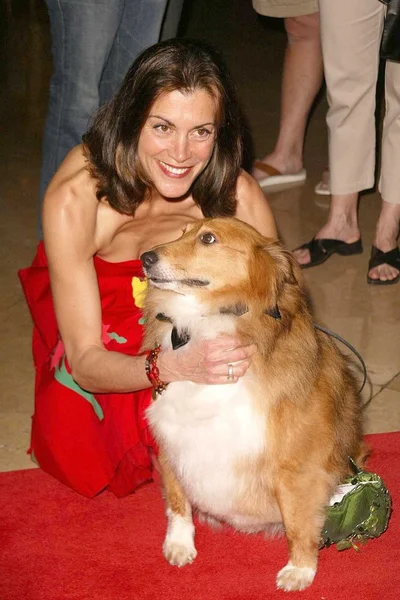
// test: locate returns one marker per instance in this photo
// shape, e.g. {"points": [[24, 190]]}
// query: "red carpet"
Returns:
{"points": [[57, 545]]}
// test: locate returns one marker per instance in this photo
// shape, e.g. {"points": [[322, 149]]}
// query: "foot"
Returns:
{"points": [[323, 188], [342, 225], [285, 167], [179, 555], [292, 578], [386, 234], [330, 231], [179, 548], [384, 272]]}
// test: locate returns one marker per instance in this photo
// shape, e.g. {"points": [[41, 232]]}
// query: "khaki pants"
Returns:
{"points": [[285, 8], [351, 33]]}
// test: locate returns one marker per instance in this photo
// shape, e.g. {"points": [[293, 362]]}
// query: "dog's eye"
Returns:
{"points": [[208, 238]]}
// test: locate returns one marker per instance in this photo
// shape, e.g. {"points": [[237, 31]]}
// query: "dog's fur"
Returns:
{"points": [[271, 448]]}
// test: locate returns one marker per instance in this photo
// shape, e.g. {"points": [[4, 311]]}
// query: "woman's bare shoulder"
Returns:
{"points": [[72, 213], [253, 207], [72, 179], [246, 185], [70, 205]]}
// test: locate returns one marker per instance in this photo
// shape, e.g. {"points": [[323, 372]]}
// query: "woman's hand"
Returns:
{"points": [[207, 361]]}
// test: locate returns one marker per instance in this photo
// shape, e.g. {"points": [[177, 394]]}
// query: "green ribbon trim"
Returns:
{"points": [[62, 376], [117, 338]]}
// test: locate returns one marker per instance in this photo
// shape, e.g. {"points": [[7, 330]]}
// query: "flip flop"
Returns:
{"points": [[323, 188], [321, 250], [378, 257], [275, 177]]}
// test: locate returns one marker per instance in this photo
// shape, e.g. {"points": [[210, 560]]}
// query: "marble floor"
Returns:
{"points": [[367, 316]]}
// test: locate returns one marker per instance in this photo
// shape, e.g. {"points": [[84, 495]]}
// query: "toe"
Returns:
{"points": [[383, 273]]}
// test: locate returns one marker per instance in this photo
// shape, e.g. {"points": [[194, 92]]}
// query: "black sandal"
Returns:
{"points": [[321, 250], [378, 257]]}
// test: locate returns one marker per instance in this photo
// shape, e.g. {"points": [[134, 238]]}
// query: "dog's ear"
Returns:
{"points": [[288, 268], [189, 226], [273, 271]]}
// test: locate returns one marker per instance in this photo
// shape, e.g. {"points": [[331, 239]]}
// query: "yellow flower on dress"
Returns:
{"points": [[139, 289]]}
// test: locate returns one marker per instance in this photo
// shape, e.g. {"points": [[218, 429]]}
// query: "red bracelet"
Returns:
{"points": [[152, 372]]}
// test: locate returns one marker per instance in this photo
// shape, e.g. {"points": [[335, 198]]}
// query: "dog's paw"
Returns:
{"points": [[178, 554], [292, 578]]}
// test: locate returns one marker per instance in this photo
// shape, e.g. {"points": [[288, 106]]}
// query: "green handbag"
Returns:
{"points": [[359, 510]]}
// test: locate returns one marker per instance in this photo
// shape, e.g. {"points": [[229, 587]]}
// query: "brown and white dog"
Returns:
{"points": [[268, 451]]}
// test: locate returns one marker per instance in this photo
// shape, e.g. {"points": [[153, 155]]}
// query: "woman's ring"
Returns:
{"points": [[230, 371]]}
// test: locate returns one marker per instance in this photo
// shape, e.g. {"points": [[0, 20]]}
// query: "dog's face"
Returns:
{"points": [[218, 258], [208, 255]]}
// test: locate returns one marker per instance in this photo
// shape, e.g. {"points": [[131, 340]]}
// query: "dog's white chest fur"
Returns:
{"points": [[207, 430]]}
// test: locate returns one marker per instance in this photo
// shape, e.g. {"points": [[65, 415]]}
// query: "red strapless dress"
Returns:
{"points": [[89, 441]]}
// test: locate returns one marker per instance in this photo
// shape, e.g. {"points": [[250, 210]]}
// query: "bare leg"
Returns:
{"points": [[301, 81], [386, 233], [178, 548], [342, 223]]}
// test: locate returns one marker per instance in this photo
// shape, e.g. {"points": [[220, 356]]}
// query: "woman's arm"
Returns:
{"points": [[70, 222], [70, 227], [252, 206]]}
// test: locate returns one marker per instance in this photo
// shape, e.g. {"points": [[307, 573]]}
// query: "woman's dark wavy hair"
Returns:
{"points": [[111, 142]]}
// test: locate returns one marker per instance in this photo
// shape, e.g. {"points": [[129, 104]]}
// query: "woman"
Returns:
{"points": [[166, 151], [351, 35]]}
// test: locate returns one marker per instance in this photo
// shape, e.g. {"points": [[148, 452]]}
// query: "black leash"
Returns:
{"points": [[349, 346]]}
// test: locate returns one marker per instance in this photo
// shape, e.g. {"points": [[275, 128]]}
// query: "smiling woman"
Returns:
{"points": [[177, 141], [163, 153]]}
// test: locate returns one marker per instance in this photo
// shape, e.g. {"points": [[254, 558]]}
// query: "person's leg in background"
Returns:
{"points": [[93, 45], [82, 37], [350, 33], [301, 82], [171, 19], [139, 28], [387, 228]]}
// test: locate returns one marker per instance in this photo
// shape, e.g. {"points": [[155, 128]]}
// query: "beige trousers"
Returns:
{"points": [[285, 8], [351, 33]]}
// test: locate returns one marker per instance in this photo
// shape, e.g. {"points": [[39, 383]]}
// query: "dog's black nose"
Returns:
{"points": [[149, 259]]}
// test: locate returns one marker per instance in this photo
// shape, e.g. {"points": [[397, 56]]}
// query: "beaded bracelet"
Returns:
{"points": [[152, 372]]}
